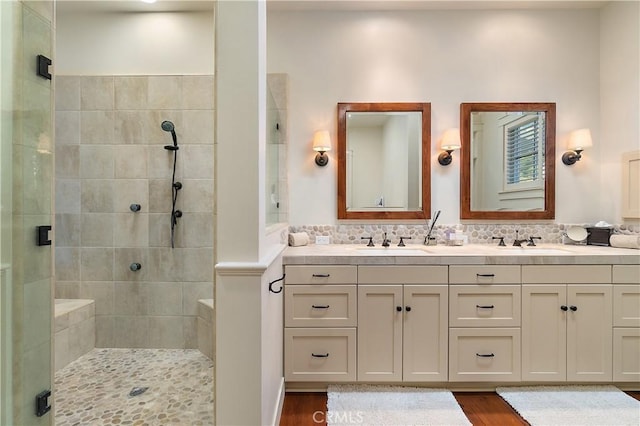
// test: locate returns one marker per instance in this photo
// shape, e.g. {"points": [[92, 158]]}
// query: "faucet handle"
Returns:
{"points": [[370, 244], [532, 243], [501, 243], [401, 243]]}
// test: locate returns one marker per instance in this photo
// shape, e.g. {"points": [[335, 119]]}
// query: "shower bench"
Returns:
{"points": [[75, 329]]}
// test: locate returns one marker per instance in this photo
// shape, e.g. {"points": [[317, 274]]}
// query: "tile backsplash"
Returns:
{"points": [[476, 233]]}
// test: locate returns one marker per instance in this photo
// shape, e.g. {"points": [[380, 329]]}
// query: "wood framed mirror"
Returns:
{"points": [[383, 161], [507, 169]]}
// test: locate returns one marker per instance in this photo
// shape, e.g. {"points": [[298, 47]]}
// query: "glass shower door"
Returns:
{"points": [[26, 179]]}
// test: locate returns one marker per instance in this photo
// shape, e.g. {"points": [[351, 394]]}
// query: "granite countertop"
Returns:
{"points": [[477, 254]]}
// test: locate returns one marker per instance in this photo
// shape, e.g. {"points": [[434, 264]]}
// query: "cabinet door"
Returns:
{"points": [[626, 354], [589, 333], [544, 333], [626, 305], [380, 332], [425, 333]]}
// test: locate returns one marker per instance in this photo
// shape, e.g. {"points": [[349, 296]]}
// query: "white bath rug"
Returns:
{"points": [[392, 405], [573, 405]]}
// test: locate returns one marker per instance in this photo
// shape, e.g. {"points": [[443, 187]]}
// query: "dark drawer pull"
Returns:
{"points": [[321, 275], [573, 308], [484, 306], [491, 355], [320, 306], [485, 275], [320, 355], [564, 308]]}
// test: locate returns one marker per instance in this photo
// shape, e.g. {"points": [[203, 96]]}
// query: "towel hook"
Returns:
{"points": [[275, 281]]}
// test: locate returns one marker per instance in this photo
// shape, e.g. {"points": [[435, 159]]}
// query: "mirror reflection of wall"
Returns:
{"points": [[383, 161], [508, 159]]}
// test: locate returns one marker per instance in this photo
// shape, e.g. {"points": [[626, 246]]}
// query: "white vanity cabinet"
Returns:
{"points": [[320, 320], [484, 321], [402, 323], [567, 323], [462, 320], [626, 323]]}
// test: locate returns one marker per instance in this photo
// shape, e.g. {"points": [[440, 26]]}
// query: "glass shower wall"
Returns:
{"points": [[26, 185], [276, 208]]}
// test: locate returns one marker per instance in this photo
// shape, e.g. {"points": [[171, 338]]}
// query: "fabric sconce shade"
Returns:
{"points": [[321, 144], [449, 142], [578, 141]]}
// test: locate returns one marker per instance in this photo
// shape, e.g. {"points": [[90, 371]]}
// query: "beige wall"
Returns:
{"points": [[99, 42], [619, 98], [109, 155], [451, 56]]}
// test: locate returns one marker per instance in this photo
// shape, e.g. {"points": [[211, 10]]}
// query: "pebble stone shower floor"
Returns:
{"points": [[94, 389]]}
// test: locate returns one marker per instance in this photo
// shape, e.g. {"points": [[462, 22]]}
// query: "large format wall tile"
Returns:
{"points": [[110, 155]]}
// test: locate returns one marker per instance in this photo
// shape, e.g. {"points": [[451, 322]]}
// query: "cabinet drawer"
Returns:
{"points": [[566, 274], [476, 306], [320, 305], [484, 274], [402, 274], [626, 354], [626, 305], [626, 274], [320, 354], [484, 355], [321, 274]]}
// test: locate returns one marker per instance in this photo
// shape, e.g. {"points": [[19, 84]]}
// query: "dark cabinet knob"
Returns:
{"points": [[573, 308], [564, 308], [408, 308], [399, 308]]}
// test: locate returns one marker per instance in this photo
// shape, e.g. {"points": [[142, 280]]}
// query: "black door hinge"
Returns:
{"points": [[43, 67], [42, 403], [42, 235]]}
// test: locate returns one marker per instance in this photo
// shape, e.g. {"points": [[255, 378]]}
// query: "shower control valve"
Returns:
{"points": [[135, 207], [135, 266]]}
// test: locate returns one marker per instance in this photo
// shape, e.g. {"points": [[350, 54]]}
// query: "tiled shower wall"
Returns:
{"points": [[109, 155]]}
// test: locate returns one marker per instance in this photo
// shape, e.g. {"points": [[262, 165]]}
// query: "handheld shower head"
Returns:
{"points": [[168, 126]]}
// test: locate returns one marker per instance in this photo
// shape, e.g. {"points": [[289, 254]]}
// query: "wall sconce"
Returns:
{"points": [[578, 141], [449, 142], [321, 144]]}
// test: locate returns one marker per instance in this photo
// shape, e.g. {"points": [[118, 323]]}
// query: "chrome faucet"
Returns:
{"points": [[385, 241]]}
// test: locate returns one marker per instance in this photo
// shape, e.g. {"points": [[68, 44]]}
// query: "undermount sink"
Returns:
{"points": [[391, 251], [531, 250]]}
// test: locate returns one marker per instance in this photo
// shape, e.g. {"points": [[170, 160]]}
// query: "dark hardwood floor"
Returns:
{"points": [[482, 409]]}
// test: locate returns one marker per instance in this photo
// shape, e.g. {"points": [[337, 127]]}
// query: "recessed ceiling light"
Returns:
{"points": [[149, 1]]}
